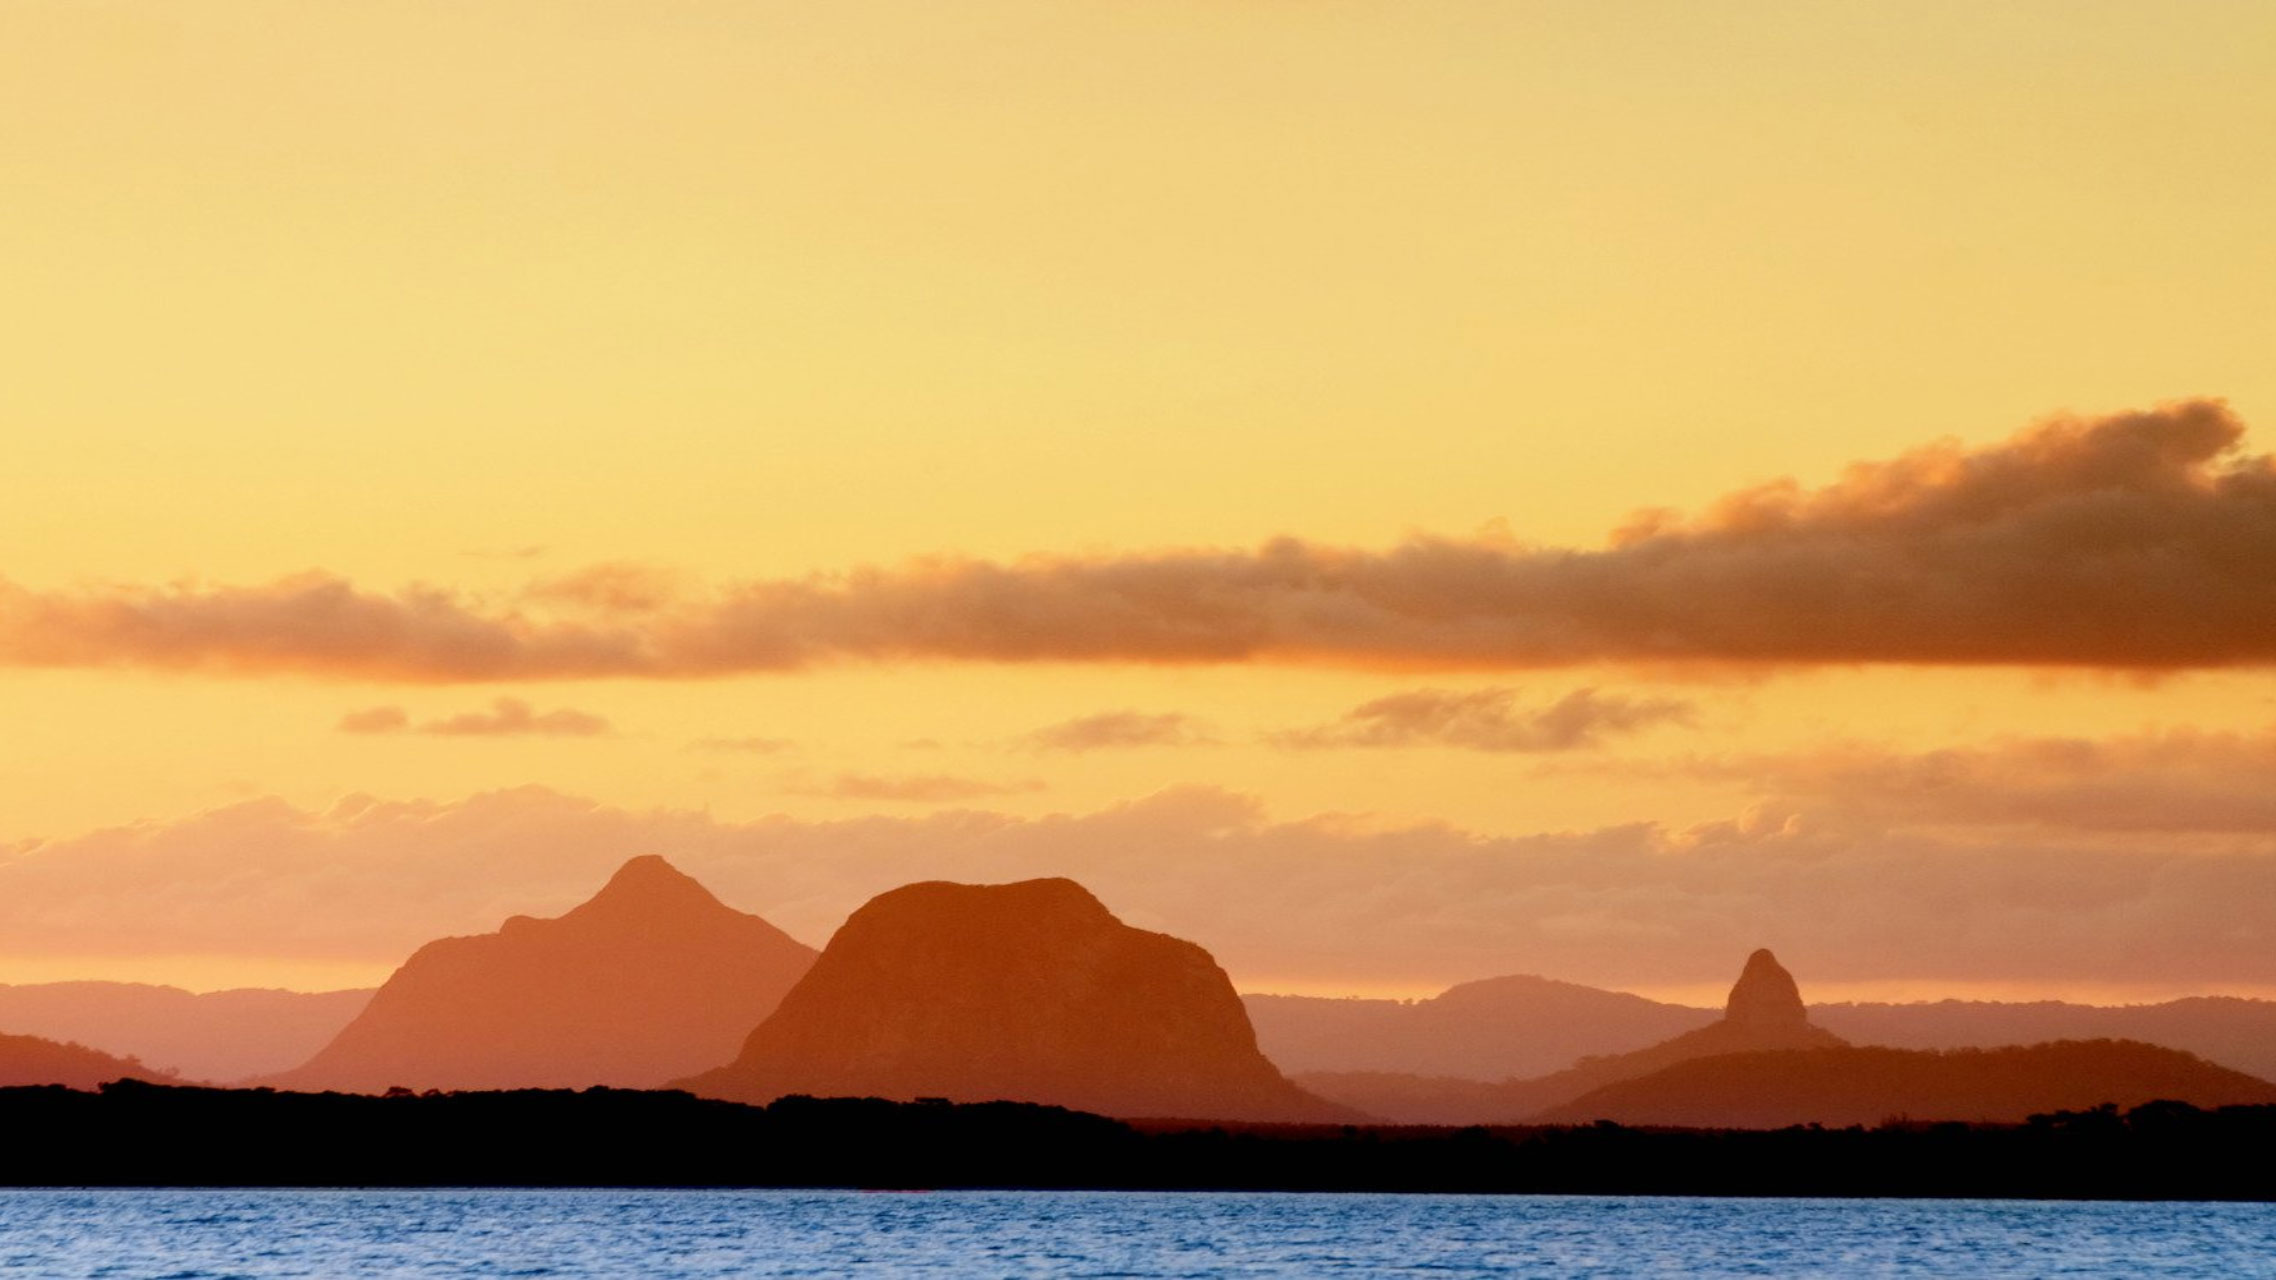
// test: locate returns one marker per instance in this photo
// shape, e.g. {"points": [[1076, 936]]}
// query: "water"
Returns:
{"points": [[670, 1235]]}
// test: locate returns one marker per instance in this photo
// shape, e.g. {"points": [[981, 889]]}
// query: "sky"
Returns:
{"points": [[1394, 493]]}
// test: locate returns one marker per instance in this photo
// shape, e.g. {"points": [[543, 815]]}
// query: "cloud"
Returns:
{"points": [[507, 717], [927, 788], [528, 552], [615, 588], [2138, 541], [1322, 898], [513, 717], [1110, 729], [746, 746], [375, 720], [2175, 781], [1489, 720]]}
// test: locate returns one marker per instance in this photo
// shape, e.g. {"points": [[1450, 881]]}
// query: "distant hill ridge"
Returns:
{"points": [[1863, 1086], [1764, 1065], [1522, 1027], [2230, 1031], [650, 979], [1763, 1012], [1491, 1029], [221, 1036]]}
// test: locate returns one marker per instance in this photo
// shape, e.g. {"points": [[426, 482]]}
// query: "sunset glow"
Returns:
{"points": [[1394, 494]]}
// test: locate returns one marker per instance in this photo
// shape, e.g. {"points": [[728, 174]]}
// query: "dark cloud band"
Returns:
{"points": [[2142, 541]]}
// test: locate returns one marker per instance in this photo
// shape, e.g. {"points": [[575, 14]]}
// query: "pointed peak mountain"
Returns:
{"points": [[648, 886], [1765, 994], [648, 979]]}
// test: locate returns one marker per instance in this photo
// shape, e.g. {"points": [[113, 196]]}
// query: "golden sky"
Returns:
{"points": [[832, 419]]}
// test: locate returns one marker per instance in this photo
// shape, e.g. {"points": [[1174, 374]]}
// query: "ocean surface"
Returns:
{"points": [[206, 1235]]}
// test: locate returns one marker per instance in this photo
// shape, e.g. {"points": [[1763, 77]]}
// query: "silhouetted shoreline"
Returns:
{"points": [[136, 1134]]}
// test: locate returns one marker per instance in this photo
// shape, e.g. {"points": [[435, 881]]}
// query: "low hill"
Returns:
{"points": [[34, 1060], [214, 1035], [1866, 1086]]}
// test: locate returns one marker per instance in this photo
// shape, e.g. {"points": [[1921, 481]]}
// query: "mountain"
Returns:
{"points": [[1486, 1030], [29, 1060], [215, 1035], [2232, 1032], [1764, 1012], [1865, 1086], [651, 979], [1028, 992]]}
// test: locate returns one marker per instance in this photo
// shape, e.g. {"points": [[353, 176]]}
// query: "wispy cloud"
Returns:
{"points": [[744, 746], [922, 788], [2173, 781], [507, 717], [2137, 541], [375, 720], [529, 552], [1489, 720], [1116, 729]]}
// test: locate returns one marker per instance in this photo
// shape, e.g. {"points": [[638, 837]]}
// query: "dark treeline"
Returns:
{"points": [[136, 1134]]}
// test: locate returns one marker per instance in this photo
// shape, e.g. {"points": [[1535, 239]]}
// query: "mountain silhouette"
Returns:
{"points": [[213, 1035], [649, 980], [1764, 1012], [27, 1060], [1864, 1086], [1028, 992], [1491, 1029]]}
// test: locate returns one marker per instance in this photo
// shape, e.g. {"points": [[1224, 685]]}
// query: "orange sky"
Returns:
{"points": [[782, 428]]}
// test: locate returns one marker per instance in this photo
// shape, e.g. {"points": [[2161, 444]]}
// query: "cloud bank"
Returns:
{"points": [[2142, 541], [1322, 899]]}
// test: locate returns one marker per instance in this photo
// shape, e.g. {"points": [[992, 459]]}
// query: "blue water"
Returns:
{"points": [[205, 1235]]}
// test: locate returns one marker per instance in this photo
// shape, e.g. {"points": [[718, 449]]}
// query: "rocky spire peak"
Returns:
{"points": [[1765, 994]]}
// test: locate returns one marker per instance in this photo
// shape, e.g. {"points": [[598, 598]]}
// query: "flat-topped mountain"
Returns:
{"points": [[649, 980], [1029, 992], [28, 1060], [1865, 1086], [210, 1035], [1764, 1012]]}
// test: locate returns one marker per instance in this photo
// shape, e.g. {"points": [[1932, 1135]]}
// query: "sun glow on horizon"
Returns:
{"points": [[1396, 494]]}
